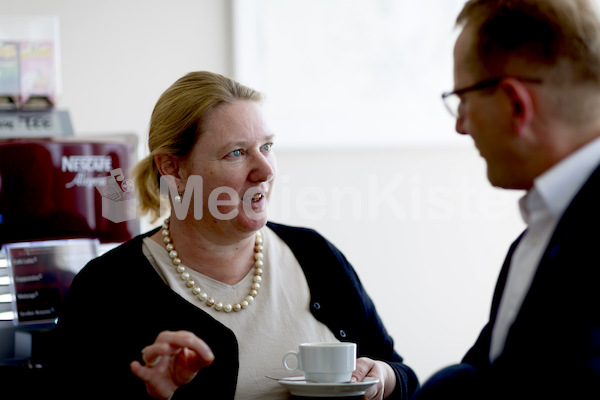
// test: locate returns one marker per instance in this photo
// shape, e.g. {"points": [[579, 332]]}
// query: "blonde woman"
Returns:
{"points": [[205, 306]]}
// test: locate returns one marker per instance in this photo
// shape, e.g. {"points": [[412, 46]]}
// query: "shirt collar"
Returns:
{"points": [[556, 187]]}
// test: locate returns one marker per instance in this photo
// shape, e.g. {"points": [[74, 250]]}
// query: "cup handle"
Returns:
{"points": [[286, 366]]}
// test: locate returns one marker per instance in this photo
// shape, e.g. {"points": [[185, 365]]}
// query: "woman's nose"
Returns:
{"points": [[264, 168]]}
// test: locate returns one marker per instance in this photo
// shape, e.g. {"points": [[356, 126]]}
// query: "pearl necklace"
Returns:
{"points": [[202, 295]]}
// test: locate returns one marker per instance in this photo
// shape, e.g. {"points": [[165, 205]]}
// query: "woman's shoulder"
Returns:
{"points": [[128, 253], [299, 239], [288, 231]]}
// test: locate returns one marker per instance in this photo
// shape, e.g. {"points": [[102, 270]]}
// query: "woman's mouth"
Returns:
{"points": [[255, 198], [256, 202]]}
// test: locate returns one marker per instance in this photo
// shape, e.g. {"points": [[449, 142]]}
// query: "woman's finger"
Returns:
{"points": [[185, 339], [363, 367], [151, 353]]}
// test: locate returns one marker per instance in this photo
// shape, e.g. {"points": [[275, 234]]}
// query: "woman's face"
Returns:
{"points": [[234, 158]]}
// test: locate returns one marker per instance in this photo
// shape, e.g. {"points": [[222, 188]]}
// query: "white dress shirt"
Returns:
{"points": [[541, 209]]}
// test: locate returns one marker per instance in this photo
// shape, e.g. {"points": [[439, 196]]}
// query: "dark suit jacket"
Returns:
{"points": [[552, 350]]}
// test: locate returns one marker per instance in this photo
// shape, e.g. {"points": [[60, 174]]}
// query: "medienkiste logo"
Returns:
{"points": [[118, 199], [119, 202]]}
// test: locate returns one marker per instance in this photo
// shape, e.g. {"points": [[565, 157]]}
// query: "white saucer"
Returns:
{"points": [[299, 387]]}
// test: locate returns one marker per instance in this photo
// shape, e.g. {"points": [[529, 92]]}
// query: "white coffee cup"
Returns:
{"points": [[323, 362]]}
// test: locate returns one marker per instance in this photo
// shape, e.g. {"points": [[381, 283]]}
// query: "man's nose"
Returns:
{"points": [[460, 125]]}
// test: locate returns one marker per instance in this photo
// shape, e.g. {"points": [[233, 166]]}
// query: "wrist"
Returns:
{"points": [[389, 376]]}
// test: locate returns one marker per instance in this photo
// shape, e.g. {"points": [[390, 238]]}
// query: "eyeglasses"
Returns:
{"points": [[452, 100]]}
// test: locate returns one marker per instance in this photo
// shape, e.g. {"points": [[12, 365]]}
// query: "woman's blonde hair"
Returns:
{"points": [[177, 122]]}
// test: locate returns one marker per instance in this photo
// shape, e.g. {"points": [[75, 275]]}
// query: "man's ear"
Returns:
{"points": [[521, 100]]}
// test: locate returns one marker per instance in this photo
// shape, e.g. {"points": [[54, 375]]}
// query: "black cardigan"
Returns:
{"points": [[118, 304]]}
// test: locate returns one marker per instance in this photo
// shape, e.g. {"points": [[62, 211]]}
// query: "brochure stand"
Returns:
{"points": [[30, 78], [29, 62]]}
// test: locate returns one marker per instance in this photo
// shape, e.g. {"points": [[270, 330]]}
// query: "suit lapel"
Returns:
{"points": [[502, 279], [581, 212], [569, 235]]}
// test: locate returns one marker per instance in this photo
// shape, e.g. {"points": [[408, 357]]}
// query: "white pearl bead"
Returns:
{"points": [[203, 296]]}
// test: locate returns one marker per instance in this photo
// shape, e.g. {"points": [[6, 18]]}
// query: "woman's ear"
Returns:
{"points": [[521, 100], [168, 166]]}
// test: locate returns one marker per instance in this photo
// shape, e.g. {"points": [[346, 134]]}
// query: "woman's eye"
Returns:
{"points": [[235, 153], [267, 147]]}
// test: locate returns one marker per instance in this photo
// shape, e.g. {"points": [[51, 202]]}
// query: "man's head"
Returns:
{"points": [[542, 58], [543, 33]]}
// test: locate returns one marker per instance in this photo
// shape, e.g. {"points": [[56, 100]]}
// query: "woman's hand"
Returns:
{"points": [[375, 369], [171, 361]]}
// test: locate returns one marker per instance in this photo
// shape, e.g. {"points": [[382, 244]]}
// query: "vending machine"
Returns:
{"points": [[63, 201]]}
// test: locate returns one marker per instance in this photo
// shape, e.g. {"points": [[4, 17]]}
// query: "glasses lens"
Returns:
{"points": [[452, 103]]}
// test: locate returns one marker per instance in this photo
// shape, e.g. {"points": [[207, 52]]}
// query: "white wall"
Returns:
{"points": [[425, 231], [353, 72], [421, 225], [368, 156]]}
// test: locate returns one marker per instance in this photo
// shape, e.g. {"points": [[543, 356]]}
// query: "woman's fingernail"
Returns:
{"points": [[154, 362]]}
